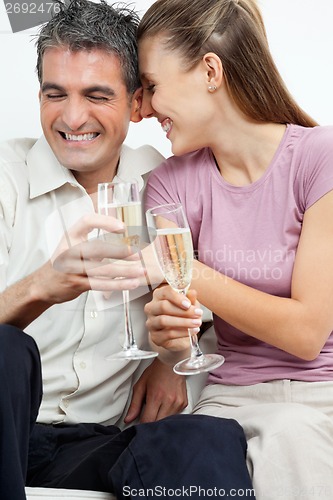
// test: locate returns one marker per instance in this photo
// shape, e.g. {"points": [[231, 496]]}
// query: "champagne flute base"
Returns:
{"points": [[194, 366], [131, 354]]}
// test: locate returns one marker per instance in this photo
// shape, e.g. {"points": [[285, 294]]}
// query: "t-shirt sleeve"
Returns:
{"points": [[161, 187], [316, 176]]}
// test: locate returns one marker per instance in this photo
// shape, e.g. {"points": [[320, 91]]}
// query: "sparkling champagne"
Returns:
{"points": [[174, 251], [131, 214]]}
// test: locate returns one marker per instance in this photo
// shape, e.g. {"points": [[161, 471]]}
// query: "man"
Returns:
{"points": [[89, 92]]}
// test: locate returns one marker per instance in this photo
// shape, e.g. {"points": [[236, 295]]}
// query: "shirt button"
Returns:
{"points": [[66, 403], [83, 365], [93, 314]]}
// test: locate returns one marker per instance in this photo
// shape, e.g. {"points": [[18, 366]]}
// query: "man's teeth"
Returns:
{"points": [[81, 137]]}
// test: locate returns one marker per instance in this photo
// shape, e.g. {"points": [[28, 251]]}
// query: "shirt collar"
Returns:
{"points": [[47, 174], [133, 165]]}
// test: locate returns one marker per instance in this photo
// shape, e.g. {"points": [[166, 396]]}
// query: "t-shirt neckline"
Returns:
{"points": [[256, 184]]}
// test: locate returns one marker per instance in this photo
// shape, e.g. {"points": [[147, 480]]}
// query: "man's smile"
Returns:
{"points": [[79, 137]]}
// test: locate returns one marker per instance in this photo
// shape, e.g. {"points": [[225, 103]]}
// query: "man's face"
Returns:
{"points": [[85, 109]]}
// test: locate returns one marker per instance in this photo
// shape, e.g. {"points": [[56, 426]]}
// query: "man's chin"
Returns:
{"points": [[70, 159], [75, 162], [77, 167]]}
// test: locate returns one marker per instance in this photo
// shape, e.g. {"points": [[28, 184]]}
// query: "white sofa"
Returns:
{"points": [[55, 494], [195, 384]]}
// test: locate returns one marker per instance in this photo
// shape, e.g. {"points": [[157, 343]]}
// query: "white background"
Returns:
{"points": [[300, 36]]}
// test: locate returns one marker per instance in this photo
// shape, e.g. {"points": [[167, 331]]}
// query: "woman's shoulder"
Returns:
{"points": [[188, 163], [313, 162], [310, 138], [311, 147]]}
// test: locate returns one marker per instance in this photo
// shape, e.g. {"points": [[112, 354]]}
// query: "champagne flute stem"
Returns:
{"points": [[129, 335], [196, 352]]}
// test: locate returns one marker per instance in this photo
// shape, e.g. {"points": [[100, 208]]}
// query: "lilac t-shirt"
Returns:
{"points": [[251, 234]]}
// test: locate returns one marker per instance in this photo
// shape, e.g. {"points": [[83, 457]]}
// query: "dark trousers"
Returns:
{"points": [[182, 455], [20, 396]]}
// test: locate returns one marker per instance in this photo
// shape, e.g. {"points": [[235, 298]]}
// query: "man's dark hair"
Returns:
{"points": [[86, 25]]}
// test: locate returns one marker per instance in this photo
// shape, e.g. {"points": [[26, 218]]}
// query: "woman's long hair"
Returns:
{"points": [[233, 30]]}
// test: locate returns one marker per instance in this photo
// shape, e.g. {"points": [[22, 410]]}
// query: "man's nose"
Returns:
{"points": [[75, 113]]}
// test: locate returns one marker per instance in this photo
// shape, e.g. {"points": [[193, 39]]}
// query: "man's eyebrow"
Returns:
{"points": [[103, 89], [51, 86]]}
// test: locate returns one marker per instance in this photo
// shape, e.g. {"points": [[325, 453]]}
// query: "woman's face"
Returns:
{"points": [[179, 99]]}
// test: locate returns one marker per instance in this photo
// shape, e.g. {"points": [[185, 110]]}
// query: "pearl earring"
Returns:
{"points": [[212, 88]]}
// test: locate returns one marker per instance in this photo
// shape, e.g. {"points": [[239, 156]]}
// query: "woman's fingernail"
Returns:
{"points": [[196, 322], [186, 304], [198, 311]]}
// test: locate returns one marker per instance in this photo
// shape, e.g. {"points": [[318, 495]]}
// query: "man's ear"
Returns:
{"points": [[136, 106]]}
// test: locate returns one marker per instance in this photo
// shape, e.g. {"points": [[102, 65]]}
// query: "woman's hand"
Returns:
{"points": [[170, 315]]}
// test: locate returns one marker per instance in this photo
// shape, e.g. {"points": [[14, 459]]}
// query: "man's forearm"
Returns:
{"points": [[20, 304]]}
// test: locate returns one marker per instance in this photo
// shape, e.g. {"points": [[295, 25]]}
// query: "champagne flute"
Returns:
{"points": [[171, 238], [122, 200]]}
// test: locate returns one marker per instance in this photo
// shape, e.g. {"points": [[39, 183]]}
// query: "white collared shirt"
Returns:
{"points": [[74, 337]]}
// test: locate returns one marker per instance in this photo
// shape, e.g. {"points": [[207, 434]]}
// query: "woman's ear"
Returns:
{"points": [[136, 106], [214, 70]]}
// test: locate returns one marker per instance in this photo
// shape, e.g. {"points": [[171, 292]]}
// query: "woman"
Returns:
{"points": [[255, 175]]}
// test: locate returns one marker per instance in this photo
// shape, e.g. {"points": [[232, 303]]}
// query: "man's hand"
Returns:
{"points": [[96, 263], [154, 275], [157, 394], [78, 264]]}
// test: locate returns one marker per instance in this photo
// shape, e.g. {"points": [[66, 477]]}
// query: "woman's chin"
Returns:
{"points": [[181, 149]]}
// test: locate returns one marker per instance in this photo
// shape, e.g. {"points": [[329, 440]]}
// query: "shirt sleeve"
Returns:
{"points": [[161, 187], [316, 178], [7, 214]]}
